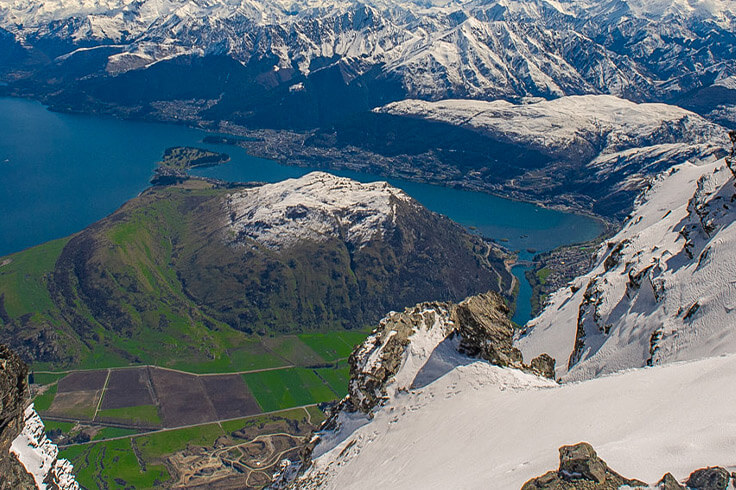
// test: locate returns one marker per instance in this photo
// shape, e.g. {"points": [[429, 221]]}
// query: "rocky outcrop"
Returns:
{"points": [[477, 327], [582, 469], [27, 458], [711, 478], [13, 401], [411, 349]]}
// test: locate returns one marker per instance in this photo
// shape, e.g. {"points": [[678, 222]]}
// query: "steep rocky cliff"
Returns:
{"points": [[13, 402], [27, 458]]}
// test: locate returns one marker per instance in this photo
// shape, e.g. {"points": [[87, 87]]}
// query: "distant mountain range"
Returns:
{"points": [[308, 63]]}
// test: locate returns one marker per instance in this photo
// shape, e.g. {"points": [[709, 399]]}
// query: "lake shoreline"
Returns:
{"points": [[272, 144], [60, 186]]}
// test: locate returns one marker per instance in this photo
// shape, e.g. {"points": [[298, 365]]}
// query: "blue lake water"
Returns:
{"points": [[61, 172]]}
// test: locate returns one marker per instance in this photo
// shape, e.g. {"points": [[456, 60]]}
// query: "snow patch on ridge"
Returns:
{"points": [[40, 456], [316, 207]]}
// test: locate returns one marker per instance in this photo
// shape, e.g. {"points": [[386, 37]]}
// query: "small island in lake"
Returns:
{"points": [[176, 162], [186, 157]]}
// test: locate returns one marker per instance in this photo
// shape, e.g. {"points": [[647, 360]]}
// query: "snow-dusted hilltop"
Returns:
{"points": [[663, 288], [588, 128], [432, 50], [315, 207]]}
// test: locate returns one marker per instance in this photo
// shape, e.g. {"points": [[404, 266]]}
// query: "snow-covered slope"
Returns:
{"points": [[483, 426], [40, 456], [314, 207], [663, 288], [588, 127], [469, 48]]}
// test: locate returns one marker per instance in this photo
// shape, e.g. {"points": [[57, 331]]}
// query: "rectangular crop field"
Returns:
{"points": [[337, 378], [143, 415], [291, 348], [127, 388], [230, 396], [333, 345], [83, 381], [182, 398], [285, 388]]}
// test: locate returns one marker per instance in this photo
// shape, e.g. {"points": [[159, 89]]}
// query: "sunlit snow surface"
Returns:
{"points": [[482, 426], [315, 207], [679, 247]]}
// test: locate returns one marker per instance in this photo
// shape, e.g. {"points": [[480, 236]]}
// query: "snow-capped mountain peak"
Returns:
{"points": [[315, 207]]}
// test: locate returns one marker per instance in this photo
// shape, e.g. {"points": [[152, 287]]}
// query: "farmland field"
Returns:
{"points": [[143, 424], [276, 390]]}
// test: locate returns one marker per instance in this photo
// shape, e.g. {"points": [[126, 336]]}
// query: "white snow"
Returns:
{"points": [[625, 325], [482, 426], [589, 123], [504, 48], [40, 456], [317, 207]]}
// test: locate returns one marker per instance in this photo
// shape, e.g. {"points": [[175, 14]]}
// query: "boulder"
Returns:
{"points": [[711, 478], [581, 469], [669, 482]]}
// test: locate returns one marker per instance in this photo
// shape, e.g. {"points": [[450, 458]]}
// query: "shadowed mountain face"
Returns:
{"points": [[184, 262]]}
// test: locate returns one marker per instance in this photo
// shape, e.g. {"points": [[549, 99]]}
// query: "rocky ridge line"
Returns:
{"points": [[581, 469], [409, 350]]}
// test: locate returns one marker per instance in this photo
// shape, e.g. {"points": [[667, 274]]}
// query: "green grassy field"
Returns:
{"points": [[336, 377], [112, 464], [110, 432], [64, 427], [142, 414], [276, 390], [333, 345], [46, 378], [155, 446], [43, 401]]}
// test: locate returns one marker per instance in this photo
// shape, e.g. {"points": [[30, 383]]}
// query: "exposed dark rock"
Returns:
{"points": [[544, 365], [13, 402], [669, 482], [711, 478], [482, 321], [581, 469]]}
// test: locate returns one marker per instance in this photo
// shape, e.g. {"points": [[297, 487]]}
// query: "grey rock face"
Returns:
{"points": [[711, 478], [581, 469], [480, 322]]}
